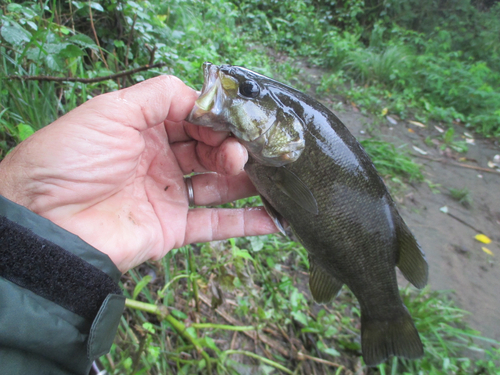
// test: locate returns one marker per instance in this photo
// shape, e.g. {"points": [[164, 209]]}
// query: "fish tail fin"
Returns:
{"points": [[381, 339]]}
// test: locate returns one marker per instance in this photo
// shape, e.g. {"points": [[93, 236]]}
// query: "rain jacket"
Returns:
{"points": [[60, 304]]}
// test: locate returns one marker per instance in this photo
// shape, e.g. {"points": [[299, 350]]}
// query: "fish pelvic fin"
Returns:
{"points": [[324, 286], [381, 339], [411, 259], [278, 220]]}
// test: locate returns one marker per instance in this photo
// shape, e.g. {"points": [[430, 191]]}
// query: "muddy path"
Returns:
{"points": [[457, 261]]}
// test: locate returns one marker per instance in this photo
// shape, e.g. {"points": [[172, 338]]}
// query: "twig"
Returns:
{"points": [[86, 80], [95, 36], [457, 164], [137, 357], [463, 222], [193, 281], [128, 47], [233, 341], [222, 326], [301, 356], [256, 356]]}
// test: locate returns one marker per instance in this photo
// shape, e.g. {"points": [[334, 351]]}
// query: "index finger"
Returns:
{"points": [[148, 103]]}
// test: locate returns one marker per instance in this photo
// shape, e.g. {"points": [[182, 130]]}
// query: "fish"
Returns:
{"points": [[317, 180]]}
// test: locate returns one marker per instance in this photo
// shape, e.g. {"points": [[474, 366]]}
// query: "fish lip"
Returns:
{"points": [[201, 114], [210, 75]]}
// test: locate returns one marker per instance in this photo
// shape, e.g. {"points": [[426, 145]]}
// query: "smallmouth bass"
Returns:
{"points": [[314, 176]]}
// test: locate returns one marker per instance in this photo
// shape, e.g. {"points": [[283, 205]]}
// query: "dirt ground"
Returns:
{"points": [[457, 261]]}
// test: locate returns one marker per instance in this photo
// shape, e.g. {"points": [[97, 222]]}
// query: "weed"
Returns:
{"points": [[463, 196], [390, 161]]}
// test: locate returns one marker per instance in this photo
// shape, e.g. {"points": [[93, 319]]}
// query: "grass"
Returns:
{"points": [[463, 196], [391, 161], [163, 330]]}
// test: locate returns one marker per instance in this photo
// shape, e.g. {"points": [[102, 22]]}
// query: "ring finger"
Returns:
{"points": [[214, 189]]}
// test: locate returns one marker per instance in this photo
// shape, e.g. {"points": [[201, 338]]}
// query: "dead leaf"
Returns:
{"points": [[482, 238], [391, 120], [416, 123], [419, 150], [487, 251]]}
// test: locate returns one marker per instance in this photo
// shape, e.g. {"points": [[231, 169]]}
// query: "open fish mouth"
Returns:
{"points": [[209, 106]]}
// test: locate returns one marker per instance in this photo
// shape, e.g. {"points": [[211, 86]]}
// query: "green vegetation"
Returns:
{"points": [[463, 196], [429, 61], [443, 66], [391, 162]]}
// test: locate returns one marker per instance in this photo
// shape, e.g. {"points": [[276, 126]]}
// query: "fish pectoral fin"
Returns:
{"points": [[323, 285], [278, 220], [295, 189], [393, 336], [411, 259]]}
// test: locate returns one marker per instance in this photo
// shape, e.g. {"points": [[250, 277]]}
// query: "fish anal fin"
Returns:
{"points": [[324, 286], [295, 189], [411, 259], [381, 339]]}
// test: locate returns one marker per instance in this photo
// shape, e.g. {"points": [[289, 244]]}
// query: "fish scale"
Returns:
{"points": [[314, 176]]}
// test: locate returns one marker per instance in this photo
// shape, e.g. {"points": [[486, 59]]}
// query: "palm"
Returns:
{"points": [[108, 173]]}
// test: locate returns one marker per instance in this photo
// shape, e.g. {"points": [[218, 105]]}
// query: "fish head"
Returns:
{"points": [[247, 104]]}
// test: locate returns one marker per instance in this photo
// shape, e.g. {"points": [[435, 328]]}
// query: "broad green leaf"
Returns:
{"points": [[118, 43], [14, 8], [178, 314], [331, 351], [71, 51], [83, 41], [54, 62], [149, 327], [96, 6], [15, 34], [300, 317], [25, 131], [242, 254]]}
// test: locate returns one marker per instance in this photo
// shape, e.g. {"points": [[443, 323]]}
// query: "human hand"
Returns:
{"points": [[111, 171]]}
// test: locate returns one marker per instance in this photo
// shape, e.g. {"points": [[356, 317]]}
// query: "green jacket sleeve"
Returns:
{"points": [[60, 304]]}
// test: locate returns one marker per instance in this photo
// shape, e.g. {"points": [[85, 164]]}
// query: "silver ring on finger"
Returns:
{"points": [[190, 190]]}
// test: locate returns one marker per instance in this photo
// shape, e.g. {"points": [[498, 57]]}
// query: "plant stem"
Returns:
{"points": [[223, 326], [164, 314], [262, 359]]}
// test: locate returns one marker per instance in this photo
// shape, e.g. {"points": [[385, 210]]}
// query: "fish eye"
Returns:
{"points": [[249, 89]]}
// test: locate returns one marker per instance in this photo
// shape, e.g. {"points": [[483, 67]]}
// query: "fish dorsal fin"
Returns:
{"points": [[324, 286], [295, 189], [278, 220], [411, 259]]}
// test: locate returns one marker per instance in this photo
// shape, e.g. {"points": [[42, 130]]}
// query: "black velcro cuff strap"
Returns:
{"points": [[53, 273]]}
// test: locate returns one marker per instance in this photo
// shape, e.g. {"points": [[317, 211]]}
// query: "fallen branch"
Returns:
{"points": [[87, 80], [457, 164]]}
